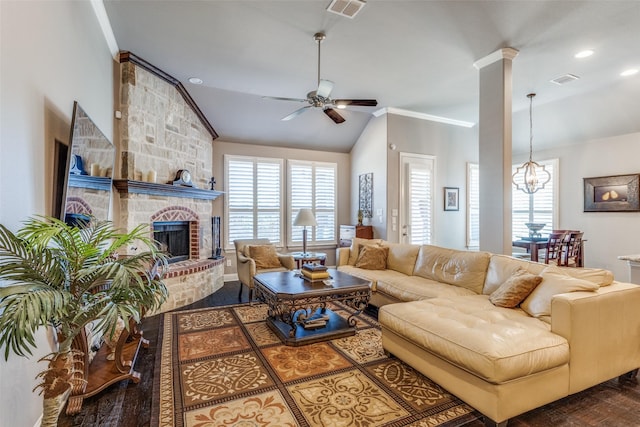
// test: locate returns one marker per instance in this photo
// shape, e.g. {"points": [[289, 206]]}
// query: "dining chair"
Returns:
{"points": [[570, 256], [553, 250]]}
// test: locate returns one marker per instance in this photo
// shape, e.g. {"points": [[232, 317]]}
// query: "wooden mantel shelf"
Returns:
{"points": [[125, 186], [92, 182]]}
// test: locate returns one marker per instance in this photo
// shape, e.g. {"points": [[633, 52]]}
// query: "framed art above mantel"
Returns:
{"points": [[619, 193]]}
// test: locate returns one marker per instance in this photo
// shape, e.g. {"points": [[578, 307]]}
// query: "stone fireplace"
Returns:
{"points": [[161, 133]]}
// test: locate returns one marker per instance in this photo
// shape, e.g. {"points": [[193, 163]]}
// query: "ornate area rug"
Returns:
{"points": [[224, 367]]}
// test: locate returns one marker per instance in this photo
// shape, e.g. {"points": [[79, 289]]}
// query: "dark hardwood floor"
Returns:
{"points": [[127, 404], [609, 404]]}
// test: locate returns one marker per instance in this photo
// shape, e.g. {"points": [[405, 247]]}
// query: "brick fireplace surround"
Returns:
{"points": [[161, 133]]}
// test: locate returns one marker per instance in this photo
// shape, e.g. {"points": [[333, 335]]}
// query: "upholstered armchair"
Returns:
{"points": [[255, 256]]}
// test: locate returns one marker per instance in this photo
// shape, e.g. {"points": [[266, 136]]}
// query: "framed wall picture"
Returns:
{"points": [[619, 193], [366, 194], [451, 199]]}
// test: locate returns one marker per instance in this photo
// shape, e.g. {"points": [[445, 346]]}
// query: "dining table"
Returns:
{"points": [[534, 245]]}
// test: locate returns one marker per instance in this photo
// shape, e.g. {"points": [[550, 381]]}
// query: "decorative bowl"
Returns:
{"points": [[534, 228]]}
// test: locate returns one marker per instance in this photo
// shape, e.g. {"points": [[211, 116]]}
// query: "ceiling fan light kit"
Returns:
{"points": [[320, 98]]}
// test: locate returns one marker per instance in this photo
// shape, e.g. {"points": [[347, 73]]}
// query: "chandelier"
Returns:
{"points": [[531, 176]]}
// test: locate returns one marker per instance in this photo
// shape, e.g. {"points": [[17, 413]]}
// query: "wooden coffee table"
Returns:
{"points": [[298, 311]]}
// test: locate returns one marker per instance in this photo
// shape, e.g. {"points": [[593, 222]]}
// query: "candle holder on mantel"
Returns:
{"points": [[534, 229]]}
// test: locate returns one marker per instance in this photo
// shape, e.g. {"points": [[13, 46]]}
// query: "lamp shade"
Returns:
{"points": [[305, 217]]}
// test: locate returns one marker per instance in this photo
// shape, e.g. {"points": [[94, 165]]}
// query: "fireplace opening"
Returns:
{"points": [[173, 237]]}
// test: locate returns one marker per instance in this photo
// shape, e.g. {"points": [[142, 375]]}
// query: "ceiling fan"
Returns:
{"points": [[320, 98]]}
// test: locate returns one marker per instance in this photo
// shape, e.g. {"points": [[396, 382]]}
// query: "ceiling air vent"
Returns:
{"points": [[564, 79], [347, 8]]}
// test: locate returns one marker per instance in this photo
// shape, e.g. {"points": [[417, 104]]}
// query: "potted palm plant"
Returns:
{"points": [[66, 276]]}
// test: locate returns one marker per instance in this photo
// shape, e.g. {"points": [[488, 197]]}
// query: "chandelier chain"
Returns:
{"points": [[531, 95]]}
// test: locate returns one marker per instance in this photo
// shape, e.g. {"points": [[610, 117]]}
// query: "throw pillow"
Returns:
{"points": [[356, 243], [372, 257], [554, 282], [265, 256], [599, 276], [515, 289]]}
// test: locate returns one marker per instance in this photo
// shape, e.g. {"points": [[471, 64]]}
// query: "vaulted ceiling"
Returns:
{"points": [[410, 55]]}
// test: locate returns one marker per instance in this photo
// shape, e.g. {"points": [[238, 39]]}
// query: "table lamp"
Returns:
{"points": [[305, 218]]}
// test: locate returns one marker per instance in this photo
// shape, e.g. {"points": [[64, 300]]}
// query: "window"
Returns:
{"points": [[313, 185], [542, 206], [473, 206], [254, 198]]}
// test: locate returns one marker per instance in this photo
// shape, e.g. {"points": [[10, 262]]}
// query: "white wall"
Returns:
{"points": [[369, 155], [453, 146], [52, 53], [220, 148], [608, 234]]}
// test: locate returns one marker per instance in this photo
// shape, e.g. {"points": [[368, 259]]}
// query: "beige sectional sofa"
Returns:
{"points": [[576, 329]]}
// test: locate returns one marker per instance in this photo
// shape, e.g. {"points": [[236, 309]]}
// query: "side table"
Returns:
{"points": [[305, 257]]}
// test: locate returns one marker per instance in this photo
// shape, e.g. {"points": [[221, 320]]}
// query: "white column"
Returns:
{"points": [[494, 134]]}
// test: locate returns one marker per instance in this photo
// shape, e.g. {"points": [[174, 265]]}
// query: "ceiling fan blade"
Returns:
{"points": [[296, 113], [324, 88], [334, 115], [358, 102], [279, 98]]}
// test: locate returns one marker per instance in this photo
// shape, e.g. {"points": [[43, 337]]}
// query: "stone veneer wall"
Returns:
{"points": [[191, 281], [160, 132]]}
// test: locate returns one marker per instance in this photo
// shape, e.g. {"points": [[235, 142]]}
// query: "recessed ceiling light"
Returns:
{"points": [[629, 72], [583, 54], [195, 80]]}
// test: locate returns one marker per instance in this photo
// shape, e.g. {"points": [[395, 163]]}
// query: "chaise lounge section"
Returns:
{"points": [[441, 312]]}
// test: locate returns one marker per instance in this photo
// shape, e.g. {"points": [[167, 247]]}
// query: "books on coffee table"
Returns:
{"points": [[314, 267], [313, 272], [315, 275]]}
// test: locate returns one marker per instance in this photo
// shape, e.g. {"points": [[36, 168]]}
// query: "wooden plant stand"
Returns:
{"points": [[101, 373]]}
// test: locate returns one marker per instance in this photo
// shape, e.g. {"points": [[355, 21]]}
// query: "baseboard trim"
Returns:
{"points": [[231, 277]]}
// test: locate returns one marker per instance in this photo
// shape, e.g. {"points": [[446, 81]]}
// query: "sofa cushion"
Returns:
{"points": [[355, 247], [494, 343], [414, 288], [554, 281], [515, 289], [461, 268], [402, 257], [501, 267], [372, 257], [371, 275], [265, 256]]}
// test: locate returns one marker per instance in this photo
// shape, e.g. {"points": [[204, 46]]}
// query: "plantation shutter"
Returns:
{"points": [[473, 206], [420, 203], [253, 199], [312, 185]]}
